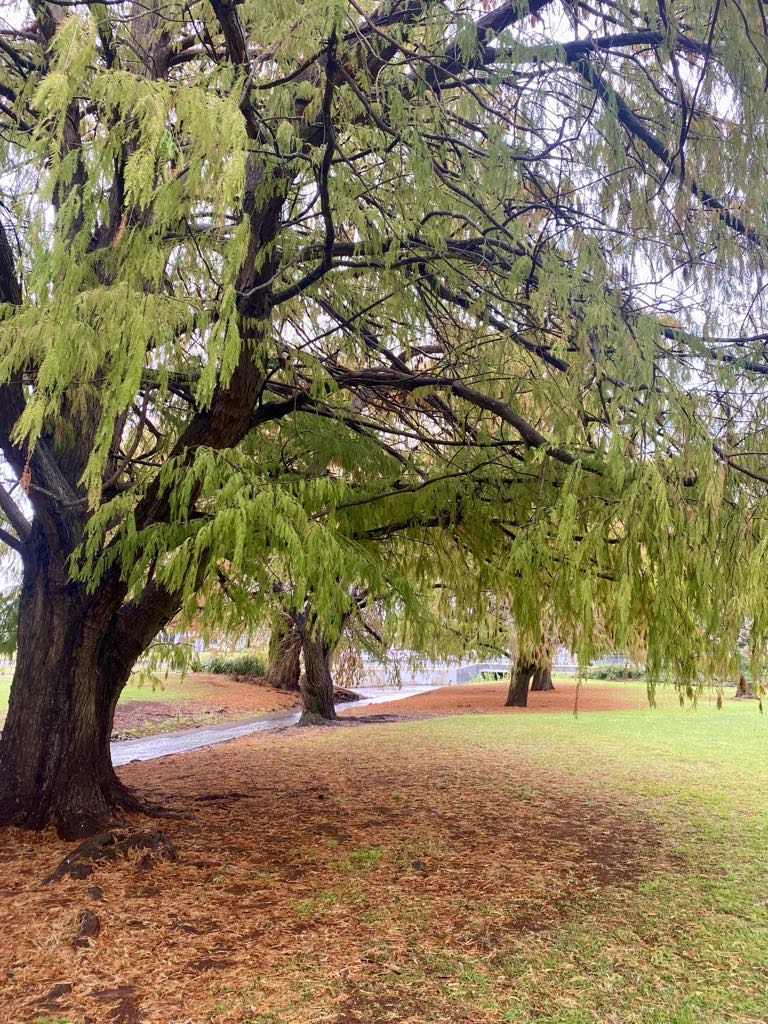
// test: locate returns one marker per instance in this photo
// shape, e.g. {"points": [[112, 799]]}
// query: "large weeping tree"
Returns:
{"points": [[293, 286]]}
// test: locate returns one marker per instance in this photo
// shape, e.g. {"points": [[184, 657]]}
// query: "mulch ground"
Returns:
{"points": [[229, 698], [490, 697], [224, 698], [316, 867]]}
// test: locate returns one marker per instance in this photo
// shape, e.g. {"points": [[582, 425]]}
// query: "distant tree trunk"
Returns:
{"points": [[317, 682], [520, 677], [542, 678], [285, 654]]}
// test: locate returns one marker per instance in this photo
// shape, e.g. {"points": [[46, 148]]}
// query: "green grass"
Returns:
{"points": [[683, 942], [173, 689], [365, 859], [688, 946]]}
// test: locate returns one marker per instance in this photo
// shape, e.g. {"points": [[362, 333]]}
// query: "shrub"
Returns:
{"points": [[246, 664], [617, 672]]}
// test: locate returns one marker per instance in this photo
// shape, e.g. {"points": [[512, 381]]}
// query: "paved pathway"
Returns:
{"points": [[151, 747]]}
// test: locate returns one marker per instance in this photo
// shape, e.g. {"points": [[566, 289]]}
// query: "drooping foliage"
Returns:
{"points": [[392, 296]]}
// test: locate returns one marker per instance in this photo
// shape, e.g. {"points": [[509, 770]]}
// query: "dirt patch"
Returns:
{"points": [[490, 697], [333, 860], [217, 699]]}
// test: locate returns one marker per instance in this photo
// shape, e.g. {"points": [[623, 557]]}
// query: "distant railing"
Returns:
{"points": [[406, 669]]}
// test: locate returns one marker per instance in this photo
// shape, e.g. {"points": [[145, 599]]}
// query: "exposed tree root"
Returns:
{"points": [[110, 845]]}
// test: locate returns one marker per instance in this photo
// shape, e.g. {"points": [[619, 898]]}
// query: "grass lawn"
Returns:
{"points": [[686, 944], [196, 699], [174, 688], [523, 868]]}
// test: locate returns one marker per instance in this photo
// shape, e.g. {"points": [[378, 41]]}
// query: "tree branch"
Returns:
{"points": [[12, 542], [14, 515]]}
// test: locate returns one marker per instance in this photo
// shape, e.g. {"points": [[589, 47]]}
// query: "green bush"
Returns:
{"points": [[616, 672], [246, 664]]}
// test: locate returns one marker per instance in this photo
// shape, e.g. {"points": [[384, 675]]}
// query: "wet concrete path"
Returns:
{"points": [[150, 747]]}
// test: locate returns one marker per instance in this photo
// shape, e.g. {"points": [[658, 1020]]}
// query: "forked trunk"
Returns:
{"points": [[317, 682], [520, 677], [55, 766], [285, 654], [542, 679]]}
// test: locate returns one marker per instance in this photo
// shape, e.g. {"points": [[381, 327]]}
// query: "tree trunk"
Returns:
{"points": [[542, 679], [55, 765], [520, 677], [317, 683], [74, 655], [285, 653]]}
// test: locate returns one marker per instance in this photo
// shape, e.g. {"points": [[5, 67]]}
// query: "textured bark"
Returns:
{"points": [[317, 682], [285, 657], [75, 652], [542, 679], [55, 766], [520, 677]]}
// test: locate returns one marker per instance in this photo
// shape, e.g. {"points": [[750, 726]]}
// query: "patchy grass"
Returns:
{"points": [[174, 689], [182, 702], [174, 722], [496, 869]]}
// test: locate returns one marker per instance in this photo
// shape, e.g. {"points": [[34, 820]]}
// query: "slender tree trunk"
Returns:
{"points": [[542, 679], [520, 677], [285, 654], [317, 682], [55, 766]]}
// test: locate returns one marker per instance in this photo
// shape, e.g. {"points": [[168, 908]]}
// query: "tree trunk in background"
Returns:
{"points": [[285, 654], [542, 678], [520, 677], [317, 682]]}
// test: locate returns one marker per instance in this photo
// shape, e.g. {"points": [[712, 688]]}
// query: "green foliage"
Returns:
{"points": [[246, 664], [162, 658], [617, 672], [471, 320], [9, 621]]}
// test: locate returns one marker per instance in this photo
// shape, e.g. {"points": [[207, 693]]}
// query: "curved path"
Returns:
{"points": [[151, 747]]}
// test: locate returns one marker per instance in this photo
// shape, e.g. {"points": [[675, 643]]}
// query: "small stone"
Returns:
{"points": [[418, 865], [95, 892]]}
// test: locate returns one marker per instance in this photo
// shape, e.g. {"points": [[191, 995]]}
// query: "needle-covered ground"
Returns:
{"points": [[198, 698], [472, 869], [479, 697]]}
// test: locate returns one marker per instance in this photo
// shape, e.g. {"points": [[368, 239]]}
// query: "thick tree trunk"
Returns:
{"points": [[285, 654], [520, 677], [542, 679], [75, 652], [317, 682], [55, 765]]}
